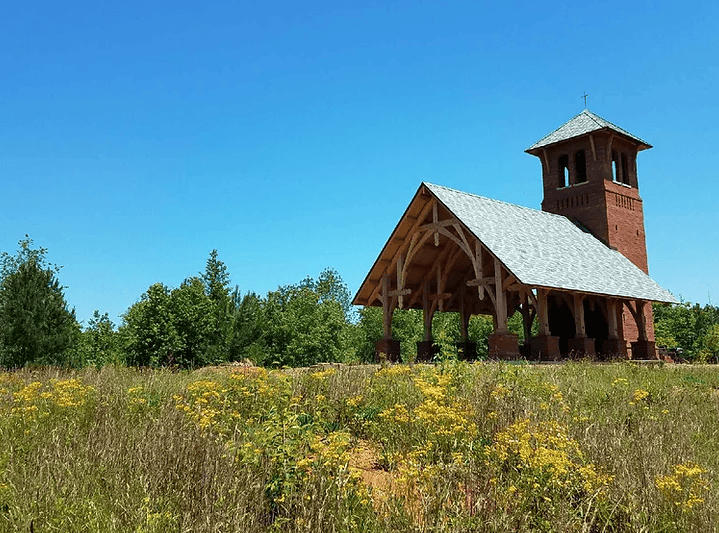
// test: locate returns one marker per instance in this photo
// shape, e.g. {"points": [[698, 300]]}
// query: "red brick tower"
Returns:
{"points": [[589, 169]]}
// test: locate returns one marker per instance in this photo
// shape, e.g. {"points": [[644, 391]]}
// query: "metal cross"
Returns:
{"points": [[585, 99]]}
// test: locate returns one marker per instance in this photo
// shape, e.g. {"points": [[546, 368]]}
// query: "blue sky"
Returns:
{"points": [[135, 137]]}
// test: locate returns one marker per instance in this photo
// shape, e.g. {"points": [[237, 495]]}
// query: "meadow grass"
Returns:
{"points": [[452, 447]]}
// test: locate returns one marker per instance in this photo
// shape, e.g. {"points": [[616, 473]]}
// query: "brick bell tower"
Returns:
{"points": [[589, 170]]}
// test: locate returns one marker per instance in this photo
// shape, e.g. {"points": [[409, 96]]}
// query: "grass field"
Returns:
{"points": [[452, 447]]}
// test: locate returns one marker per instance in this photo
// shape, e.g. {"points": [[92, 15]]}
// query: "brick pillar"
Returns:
{"points": [[581, 347], [545, 348], [389, 349], [503, 346]]}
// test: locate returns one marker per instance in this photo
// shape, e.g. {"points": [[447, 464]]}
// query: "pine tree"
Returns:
{"points": [[35, 323]]}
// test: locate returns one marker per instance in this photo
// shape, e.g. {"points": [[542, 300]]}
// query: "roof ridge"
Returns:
{"points": [[493, 199]]}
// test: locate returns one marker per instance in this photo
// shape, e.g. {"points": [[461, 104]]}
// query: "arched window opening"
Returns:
{"points": [[615, 177], [580, 165], [563, 174], [625, 169]]}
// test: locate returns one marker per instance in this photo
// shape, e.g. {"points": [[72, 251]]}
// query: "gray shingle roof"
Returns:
{"points": [[546, 250], [585, 122]]}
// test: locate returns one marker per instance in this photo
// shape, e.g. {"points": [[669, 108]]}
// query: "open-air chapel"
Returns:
{"points": [[578, 266]]}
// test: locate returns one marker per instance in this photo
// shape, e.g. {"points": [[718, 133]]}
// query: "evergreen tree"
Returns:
{"points": [[35, 324], [216, 281]]}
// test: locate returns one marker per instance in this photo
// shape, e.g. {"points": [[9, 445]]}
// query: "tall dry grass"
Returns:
{"points": [[452, 447]]}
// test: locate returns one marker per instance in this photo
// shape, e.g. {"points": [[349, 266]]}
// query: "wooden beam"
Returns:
{"points": [[480, 281], [435, 226], [440, 296], [400, 293]]}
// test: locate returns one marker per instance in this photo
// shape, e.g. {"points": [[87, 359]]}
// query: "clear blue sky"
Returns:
{"points": [[135, 137]]}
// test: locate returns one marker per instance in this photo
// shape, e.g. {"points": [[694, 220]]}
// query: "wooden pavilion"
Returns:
{"points": [[454, 251]]}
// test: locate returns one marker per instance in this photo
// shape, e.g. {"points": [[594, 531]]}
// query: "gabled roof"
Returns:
{"points": [[585, 122], [546, 250]]}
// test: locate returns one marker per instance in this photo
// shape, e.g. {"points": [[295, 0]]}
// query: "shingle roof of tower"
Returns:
{"points": [[585, 122], [546, 250]]}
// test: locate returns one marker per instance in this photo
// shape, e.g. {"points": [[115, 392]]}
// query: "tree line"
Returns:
{"points": [[205, 320]]}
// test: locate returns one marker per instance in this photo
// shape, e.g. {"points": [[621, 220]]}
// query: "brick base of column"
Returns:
{"points": [[581, 347], [545, 348], [387, 349], [426, 350], [503, 346], [466, 351], [613, 349], [525, 351], [644, 350]]}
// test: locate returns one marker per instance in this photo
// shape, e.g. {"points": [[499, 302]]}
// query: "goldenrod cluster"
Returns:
{"points": [[538, 458], [686, 487], [38, 398]]}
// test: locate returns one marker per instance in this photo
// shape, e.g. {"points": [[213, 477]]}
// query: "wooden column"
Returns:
{"points": [[579, 324], [612, 318], [426, 349], [502, 344], [466, 350], [614, 347], [580, 345], [544, 346], [387, 309], [427, 313], [543, 312], [643, 348], [500, 299], [387, 348], [641, 320]]}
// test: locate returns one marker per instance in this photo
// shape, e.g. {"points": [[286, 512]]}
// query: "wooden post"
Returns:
{"points": [[427, 313], [526, 318], [387, 310], [543, 312], [641, 320], [500, 299], [612, 319], [463, 314], [579, 316]]}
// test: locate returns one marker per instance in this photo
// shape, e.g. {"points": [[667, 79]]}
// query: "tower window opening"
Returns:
{"points": [[580, 166], [625, 170], [615, 177], [563, 174]]}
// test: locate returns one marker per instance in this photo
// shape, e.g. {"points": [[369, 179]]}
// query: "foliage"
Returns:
{"points": [[97, 344], [36, 325], [303, 329], [249, 327], [174, 328], [689, 327]]}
